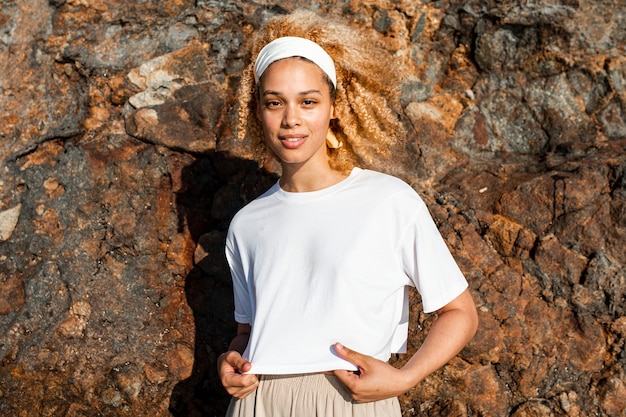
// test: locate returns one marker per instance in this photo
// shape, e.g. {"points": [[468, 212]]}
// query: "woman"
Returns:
{"points": [[321, 261]]}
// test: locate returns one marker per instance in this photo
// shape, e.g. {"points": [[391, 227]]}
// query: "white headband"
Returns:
{"points": [[290, 46]]}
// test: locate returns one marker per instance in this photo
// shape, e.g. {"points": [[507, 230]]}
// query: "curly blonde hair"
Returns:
{"points": [[367, 106]]}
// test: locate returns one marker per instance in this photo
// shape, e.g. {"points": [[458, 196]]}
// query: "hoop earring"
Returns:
{"points": [[331, 140]]}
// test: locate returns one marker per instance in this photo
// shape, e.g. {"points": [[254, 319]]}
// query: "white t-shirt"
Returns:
{"points": [[315, 268]]}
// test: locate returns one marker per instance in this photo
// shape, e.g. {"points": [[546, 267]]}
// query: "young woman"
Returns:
{"points": [[321, 262]]}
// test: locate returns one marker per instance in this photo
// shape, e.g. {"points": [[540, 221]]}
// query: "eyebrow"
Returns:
{"points": [[302, 93]]}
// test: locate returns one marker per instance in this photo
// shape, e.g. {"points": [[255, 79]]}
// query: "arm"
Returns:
{"points": [[230, 366], [455, 325]]}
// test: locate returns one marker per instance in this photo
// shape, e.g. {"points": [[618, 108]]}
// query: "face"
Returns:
{"points": [[295, 109]]}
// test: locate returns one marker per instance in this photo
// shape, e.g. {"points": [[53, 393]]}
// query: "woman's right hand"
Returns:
{"points": [[231, 367]]}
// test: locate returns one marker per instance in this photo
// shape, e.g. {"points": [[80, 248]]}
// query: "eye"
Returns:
{"points": [[308, 102], [272, 103]]}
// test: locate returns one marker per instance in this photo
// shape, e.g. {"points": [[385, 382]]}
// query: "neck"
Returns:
{"points": [[301, 179]]}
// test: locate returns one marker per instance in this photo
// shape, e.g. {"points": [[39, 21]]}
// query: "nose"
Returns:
{"points": [[291, 116]]}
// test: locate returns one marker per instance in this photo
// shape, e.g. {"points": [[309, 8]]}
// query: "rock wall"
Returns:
{"points": [[120, 172]]}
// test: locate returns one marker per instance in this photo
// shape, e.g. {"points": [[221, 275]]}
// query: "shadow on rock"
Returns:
{"points": [[213, 189]]}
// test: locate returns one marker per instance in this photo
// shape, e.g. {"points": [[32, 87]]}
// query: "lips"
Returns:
{"points": [[292, 141]]}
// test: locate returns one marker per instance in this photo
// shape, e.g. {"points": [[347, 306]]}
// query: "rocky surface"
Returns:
{"points": [[120, 172]]}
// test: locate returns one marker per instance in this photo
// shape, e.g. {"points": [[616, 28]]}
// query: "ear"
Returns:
{"points": [[332, 112]]}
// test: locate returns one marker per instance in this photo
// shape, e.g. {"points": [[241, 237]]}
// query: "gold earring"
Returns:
{"points": [[331, 140]]}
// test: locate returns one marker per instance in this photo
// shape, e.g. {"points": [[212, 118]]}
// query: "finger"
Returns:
{"points": [[350, 355], [347, 378], [246, 385], [235, 361], [228, 358], [243, 365], [250, 380]]}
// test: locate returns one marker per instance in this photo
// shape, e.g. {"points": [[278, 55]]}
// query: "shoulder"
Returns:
{"points": [[380, 178], [387, 186], [256, 207]]}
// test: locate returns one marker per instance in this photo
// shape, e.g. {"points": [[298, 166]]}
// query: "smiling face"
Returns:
{"points": [[295, 109]]}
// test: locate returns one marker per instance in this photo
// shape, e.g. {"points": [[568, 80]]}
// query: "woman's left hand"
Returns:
{"points": [[454, 326], [376, 380]]}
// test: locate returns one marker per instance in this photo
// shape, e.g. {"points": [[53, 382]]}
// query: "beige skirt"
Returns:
{"points": [[307, 395]]}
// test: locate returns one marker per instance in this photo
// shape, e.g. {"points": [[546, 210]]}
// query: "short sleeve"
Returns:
{"points": [[241, 292], [429, 263]]}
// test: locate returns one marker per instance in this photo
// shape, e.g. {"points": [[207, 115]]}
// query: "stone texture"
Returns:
{"points": [[119, 173]]}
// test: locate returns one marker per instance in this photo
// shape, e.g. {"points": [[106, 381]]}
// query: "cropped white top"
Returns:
{"points": [[314, 268]]}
